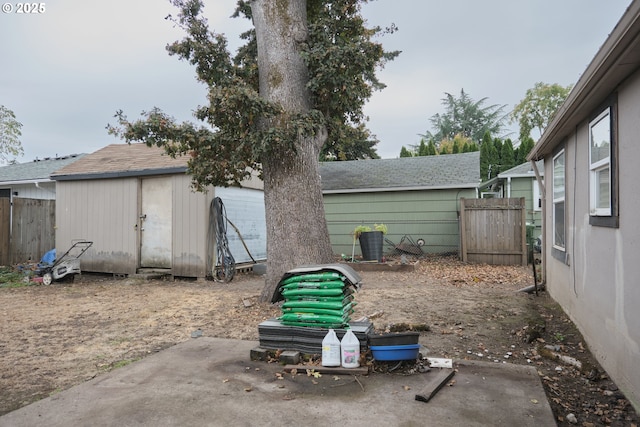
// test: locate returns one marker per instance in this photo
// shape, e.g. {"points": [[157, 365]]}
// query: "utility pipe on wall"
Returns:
{"points": [[544, 223]]}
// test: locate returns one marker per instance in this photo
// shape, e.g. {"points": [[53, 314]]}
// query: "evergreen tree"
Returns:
{"points": [[431, 148], [507, 158], [422, 148], [466, 117], [405, 153], [456, 147], [496, 163], [485, 153], [523, 150]]}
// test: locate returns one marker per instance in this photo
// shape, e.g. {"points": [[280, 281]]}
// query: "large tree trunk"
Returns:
{"points": [[297, 232]]}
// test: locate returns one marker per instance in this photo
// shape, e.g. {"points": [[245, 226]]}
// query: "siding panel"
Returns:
{"points": [[431, 215], [190, 232], [104, 212]]}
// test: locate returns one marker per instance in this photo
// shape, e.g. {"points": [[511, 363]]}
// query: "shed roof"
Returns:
{"points": [[36, 170], [121, 160], [523, 170], [405, 173]]}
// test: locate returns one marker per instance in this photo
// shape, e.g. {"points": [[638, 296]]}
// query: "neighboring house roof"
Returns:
{"points": [[616, 60], [122, 160], [522, 171], [36, 170], [405, 173]]}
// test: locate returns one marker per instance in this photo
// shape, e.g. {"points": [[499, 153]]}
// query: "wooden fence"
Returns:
{"points": [[27, 229], [5, 231], [493, 231]]}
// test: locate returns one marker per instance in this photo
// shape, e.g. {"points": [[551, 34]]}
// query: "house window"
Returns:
{"points": [[558, 201], [603, 187], [600, 164]]}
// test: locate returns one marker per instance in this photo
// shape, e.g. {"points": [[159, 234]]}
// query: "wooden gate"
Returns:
{"points": [[32, 231], [493, 231]]}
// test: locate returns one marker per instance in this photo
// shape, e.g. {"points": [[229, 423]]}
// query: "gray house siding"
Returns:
{"points": [[594, 277], [30, 180], [596, 285], [43, 190]]}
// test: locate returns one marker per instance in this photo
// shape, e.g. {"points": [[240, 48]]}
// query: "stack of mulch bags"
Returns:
{"points": [[317, 299], [314, 299]]}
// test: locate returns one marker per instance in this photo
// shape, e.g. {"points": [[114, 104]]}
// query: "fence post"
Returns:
{"points": [[523, 227], [463, 232]]}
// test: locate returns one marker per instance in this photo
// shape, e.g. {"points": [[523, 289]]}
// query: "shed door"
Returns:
{"points": [[156, 215]]}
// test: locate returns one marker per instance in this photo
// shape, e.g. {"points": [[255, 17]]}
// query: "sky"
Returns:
{"points": [[66, 71]]}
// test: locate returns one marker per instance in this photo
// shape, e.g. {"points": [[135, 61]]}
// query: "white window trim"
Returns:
{"points": [[595, 168], [557, 200]]}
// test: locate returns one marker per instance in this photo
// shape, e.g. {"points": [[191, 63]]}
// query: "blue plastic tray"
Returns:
{"points": [[395, 352]]}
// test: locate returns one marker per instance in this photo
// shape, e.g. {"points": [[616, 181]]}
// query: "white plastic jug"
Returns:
{"points": [[331, 349], [350, 350]]}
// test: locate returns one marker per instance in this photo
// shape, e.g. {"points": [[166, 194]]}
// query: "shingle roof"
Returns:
{"points": [[405, 173], [118, 160], [36, 170], [525, 169]]}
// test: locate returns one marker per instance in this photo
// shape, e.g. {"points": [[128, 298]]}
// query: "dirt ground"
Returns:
{"points": [[54, 337]]}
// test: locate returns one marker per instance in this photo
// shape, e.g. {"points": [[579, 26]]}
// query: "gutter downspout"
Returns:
{"points": [[543, 192], [37, 184]]}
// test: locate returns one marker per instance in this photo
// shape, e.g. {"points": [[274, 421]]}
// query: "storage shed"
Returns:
{"points": [[136, 204], [416, 197]]}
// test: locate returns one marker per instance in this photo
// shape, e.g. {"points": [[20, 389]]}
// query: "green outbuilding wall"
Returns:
{"points": [[430, 215], [523, 187]]}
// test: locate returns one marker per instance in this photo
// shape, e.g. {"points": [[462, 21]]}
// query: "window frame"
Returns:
{"points": [[604, 217], [597, 166], [557, 250]]}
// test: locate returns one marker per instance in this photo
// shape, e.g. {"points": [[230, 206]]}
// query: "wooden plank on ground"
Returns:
{"points": [[435, 383], [362, 370]]}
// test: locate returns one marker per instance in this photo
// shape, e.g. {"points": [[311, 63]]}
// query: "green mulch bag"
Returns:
{"points": [[347, 309], [313, 318], [315, 325], [340, 298], [314, 277], [329, 284], [329, 305], [312, 292]]}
